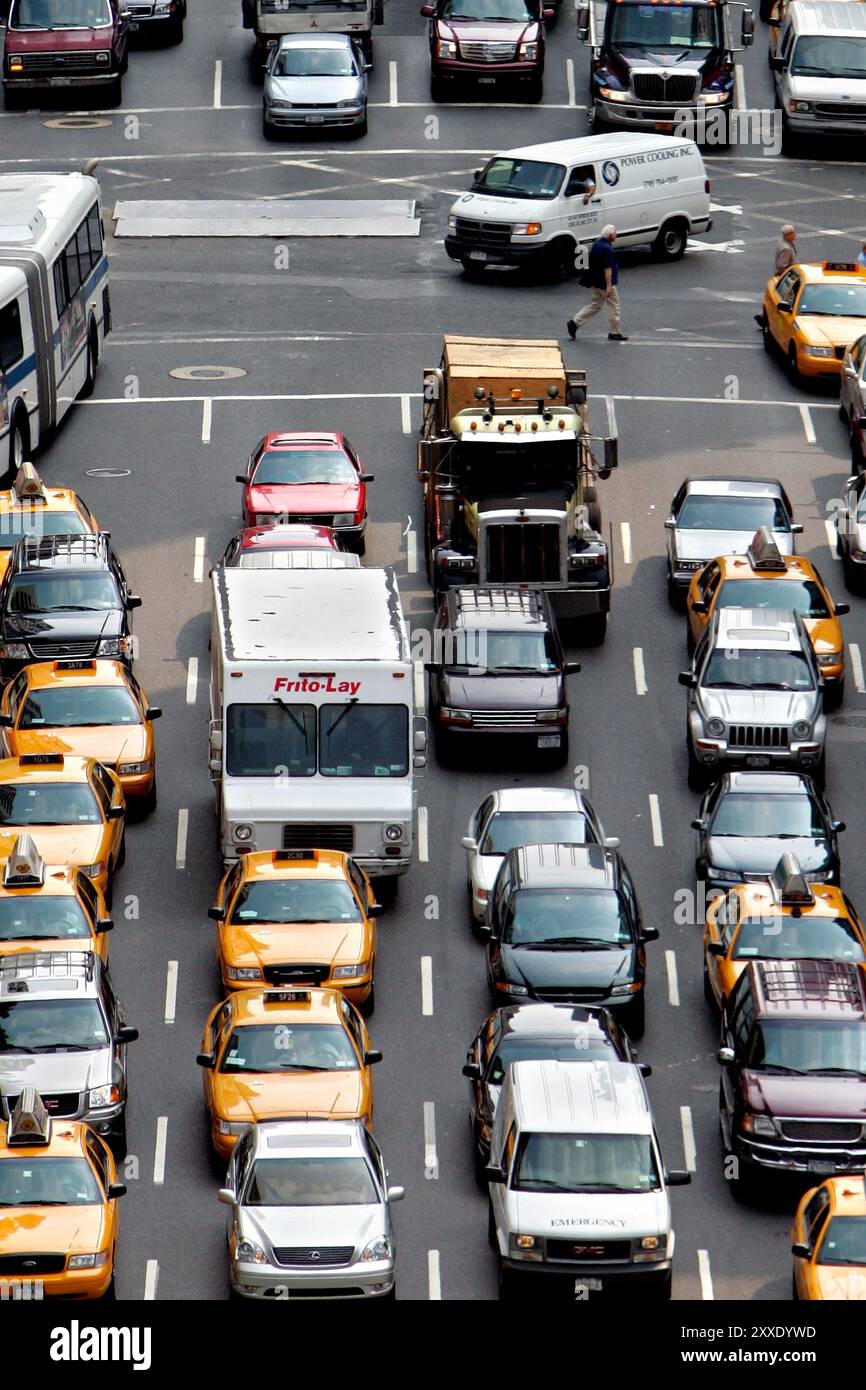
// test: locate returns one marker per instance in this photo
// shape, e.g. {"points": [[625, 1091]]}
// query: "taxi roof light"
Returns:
{"points": [[30, 1123], [789, 883], [25, 867], [28, 486], [763, 552]]}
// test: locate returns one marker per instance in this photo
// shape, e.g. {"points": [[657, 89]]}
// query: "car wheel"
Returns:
{"points": [[853, 580], [175, 34], [560, 259], [708, 989], [766, 335], [819, 773], [269, 131], [670, 244], [858, 462], [473, 270], [834, 695], [110, 1295], [148, 803], [508, 1283], [591, 631], [114, 93], [117, 1140], [386, 890], [766, 9], [634, 1017], [535, 90], [491, 1227], [369, 1005], [664, 1288], [444, 748], [121, 858], [793, 369], [361, 130], [790, 141], [437, 89], [697, 773]]}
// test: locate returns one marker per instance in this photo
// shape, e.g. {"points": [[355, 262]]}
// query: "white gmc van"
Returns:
{"points": [[577, 1184], [526, 207]]}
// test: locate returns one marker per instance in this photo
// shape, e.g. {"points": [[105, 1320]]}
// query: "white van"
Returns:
{"points": [[577, 1183], [820, 69], [526, 207]]}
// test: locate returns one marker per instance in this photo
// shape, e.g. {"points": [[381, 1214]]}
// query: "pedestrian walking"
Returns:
{"points": [[861, 259], [786, 249], [601, 277]]}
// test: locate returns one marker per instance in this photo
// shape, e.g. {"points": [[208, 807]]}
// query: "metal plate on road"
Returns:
{"points": [[320, 217]]}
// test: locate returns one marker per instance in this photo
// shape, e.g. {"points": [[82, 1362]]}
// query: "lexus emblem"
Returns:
{"points": [[315, 1255]]}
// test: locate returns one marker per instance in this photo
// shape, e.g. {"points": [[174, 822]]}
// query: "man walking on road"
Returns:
{"points": [[601, 277], [786, 250]]}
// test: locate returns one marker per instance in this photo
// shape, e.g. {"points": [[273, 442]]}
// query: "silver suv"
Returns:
{"points": [[64, 1031], [756, 696]]}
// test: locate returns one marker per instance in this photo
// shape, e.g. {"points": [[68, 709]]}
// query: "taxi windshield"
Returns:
{"points": [[747, 669], [40, 918], [732, 514], [38, 521], [51, 1025], [51, 593], [834, 300], [585, 1046], [303, 466], [47, 1182], [85, 706], [311, 1182], [797, 938], [48, 803], [285, 1047], [844, 1242], [781, 816], [653, 27], [791, 595], [520, 178], [808, 1045], [586, 1163], [509, 829], [296, 900], [564, 917]]}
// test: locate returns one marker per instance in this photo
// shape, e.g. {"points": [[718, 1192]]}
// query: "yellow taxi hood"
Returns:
{"points": [[337, 943], [59, 844], [5, 557], [262, 1096], [824, 633], [60, 943], [107, 742], [821, 332], [44, 1230], [840, 1285]]}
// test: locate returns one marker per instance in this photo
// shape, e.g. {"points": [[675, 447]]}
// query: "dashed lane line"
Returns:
{"points": [[625, 533], [427, 986], [656, 821], [688, 1138], [151, 1279], [423, 845], [673, 983], [640, 684], [431, 1160], [808, 427], [705, 1274], [192, 680], [856, 668], [434, 1275], [171, 992], [180, 845], [198, 560], [159, 1155]]}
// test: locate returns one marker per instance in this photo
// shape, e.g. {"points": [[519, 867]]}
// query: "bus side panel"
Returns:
{"points": [[19, 383], [83, 256]]}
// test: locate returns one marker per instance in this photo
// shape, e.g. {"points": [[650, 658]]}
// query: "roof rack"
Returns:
{"points": [[763, 552], [15, 971], [500, 600], [803, 981], [31, 550]]}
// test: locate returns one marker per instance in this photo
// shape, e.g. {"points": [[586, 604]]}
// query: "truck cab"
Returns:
{"points": [[269, 19]]}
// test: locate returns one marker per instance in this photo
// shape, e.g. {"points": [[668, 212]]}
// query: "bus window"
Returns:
{"points": [[73, 271], [94, 228], [11, 342], [61, 290]]}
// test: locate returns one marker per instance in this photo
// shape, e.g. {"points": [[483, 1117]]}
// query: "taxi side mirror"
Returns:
{"points": [[226, 1196], [784, 306], [840, 609], [648, 934], [371, 1056], [126, 1035], [699, 605], [104, 924], [133, 600], [801, 1250], [5, 721], [114, 813], [153, 712], [725, 1057], [427, 11], [472, 1070], [206, 1060], [375, 910], [715, 948], [216, 914], [571, 668], [115, 1189]]}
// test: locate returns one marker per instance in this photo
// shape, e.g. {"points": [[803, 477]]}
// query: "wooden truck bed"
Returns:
{"points": [[500, 365]]}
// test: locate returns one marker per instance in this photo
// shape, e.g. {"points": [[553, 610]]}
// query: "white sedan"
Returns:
{"points": [[516, 816]]}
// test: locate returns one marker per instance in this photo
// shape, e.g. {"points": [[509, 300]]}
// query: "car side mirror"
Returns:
{"points": [[371, 1056], [5, 721], [849, 371], [688, 678], [725, 1057], [472, 1070], [152, 712], [126, 1035], [699, 823], [469, 842], [368, 477], [216, 913], [375, 909], [841, 609], [115, 1189], [484, 930], [115, 813], [649, 934], [133, 601], [494, 1172], [796, 528], [678, 1177], [715, 948], [395, 1194], [571, 668], [548, 14], [801, 1250], [611, 842], [838, 825], [611, 457], [699, 605], [861, 422], [206, 1060], [644, 1068], [226, 1196], [103, 924], [241, 478], [670, 523], [784, 306], [777, 64]]}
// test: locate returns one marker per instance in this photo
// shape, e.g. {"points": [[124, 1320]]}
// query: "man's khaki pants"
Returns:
{"points": [[595, 306]]}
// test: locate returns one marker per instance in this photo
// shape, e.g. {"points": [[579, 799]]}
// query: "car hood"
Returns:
{"points": [[706, 545], [58, 38], [760, 854], [839, 89], [841, 1285], [64, 626], [294, 498], [302, 90], [594, 969], [816, 1097], [315, 1226], [331, 942], [109, 743], [43, 1230], [588, 1217], [501, 692], [831, 332], [504, 31], [338, 1095], [759, 706], [78, 845], [684, 60], [54, 1073]]}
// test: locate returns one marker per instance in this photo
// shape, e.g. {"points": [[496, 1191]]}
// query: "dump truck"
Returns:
{"points": [[505, 459]]}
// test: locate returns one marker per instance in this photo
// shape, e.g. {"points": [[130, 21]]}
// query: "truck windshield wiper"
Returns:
{"points": [[298, 723], [340, 717]]}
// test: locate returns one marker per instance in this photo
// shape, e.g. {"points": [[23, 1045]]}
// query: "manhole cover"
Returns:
{"points": [[851, 721], [109, 472], [207, 373], [76, 123]]}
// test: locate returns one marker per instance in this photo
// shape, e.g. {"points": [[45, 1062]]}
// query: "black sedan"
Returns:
{"points": [[748, 820]]}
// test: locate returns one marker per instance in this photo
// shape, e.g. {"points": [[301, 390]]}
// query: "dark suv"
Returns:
{"points": [[565, 928], [793, 1056], [64, 596], [487, 42], [499, 671]]}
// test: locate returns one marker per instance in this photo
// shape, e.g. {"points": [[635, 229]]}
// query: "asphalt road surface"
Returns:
{"points": [[338, 339]]}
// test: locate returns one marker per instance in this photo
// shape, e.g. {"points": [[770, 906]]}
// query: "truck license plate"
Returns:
{"points": [[586, 1286], [61, 81], [478, 255], [757, 760], [548, 740], [821, 1167], [134, 28], [314, 120], [487, 79]]}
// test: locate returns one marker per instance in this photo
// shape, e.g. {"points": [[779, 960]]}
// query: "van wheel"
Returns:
{"points": [[534, 90], [508, 1283], [19, 442], [437, 89], [92, 363], [592, 630], [560, 259], [766, 9], [114, 93], [473, 270], [13, 101], [670, 244], [593, 516], [697, 773]]}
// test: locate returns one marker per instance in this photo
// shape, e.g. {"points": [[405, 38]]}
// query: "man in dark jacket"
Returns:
{"points": [[601, 277]]}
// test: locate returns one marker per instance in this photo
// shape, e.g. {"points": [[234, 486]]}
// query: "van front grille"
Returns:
{"points": [[484, 233], [757, 736], [310, 835]]}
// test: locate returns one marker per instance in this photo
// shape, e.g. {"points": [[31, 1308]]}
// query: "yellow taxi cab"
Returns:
{"points": [[812, 314], [829, 1241], [784, 918], [58, 1206], [764, 578], [29, 508], [46, 909], [94, 709], [72, 807], [298, 917], [283, 1054]]}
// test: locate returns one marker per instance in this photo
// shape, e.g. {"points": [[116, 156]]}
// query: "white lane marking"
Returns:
{"points": [[431, 1161], [198, 560], [151, 1279], [420, 686], [688, 1138], [412, 551], [706, 1275], [392, 84], [656, 821], [625, 531], [739, 87], [831, 534], [857, 668], [639, 672], [808, 427], [171, 992], [434, 1278], [206, 419], [733, 248], [159, 1156], [180, 848], [427, 986], [569, 79], [217, 84], [392, 395], [406, 413], [423, 846], [192, 680], [673, 984], [736, 209]]}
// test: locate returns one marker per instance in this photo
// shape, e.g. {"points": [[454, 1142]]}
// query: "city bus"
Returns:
{"points": [[55, 306]]}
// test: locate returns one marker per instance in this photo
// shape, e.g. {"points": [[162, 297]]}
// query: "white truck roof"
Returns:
{"points": [[589, 147], [844, 18], [580, 1097], [310, 615]]}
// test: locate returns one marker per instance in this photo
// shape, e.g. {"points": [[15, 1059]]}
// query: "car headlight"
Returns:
{"points": [[801, 106], [715, 728], [277, 102], [482, 894], [243, 972], [549, 716], [619, 990], [378, 1249], [829, 658], [611, 94], [248, 1253], [724, 875], [344, 519], [505, 987], [127, 769], [811, 351], [162, 6], [801, 729], [523, 1247], [393, 832], [15, 651], [352, 101], [93, 870], [243, 832], [458, 716], [89, 1261], [103, 1095], [103, 56], [529, 52], [649, 1248], [446, 49], [115, 646], [229, 1127], [526, 229], [452, 224], [758, 1124], [345, 972]]}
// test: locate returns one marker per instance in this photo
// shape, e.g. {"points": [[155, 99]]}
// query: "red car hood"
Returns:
{"points": [[488, 33], [819, 1098], [52, 40], [306, 498]]}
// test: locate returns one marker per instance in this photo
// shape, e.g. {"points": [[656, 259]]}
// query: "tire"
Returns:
{"points": [[663, 1290], [675, 594], [92, 363], [175, 34], [858, 462], [444, 747], [791, 365], [491, 1227], [766, 9], [19, 442], [634, 1017], [560, 259], [386, 890], [535, 91], [117, 1141], [268, 131], [670, 244], [437, 89], [509, 1284], [853, 580], [361, 130], [708, 990], [790, 142], [819, 773], [148, 804], [834, 695], [473, 270], [697, 775], [13, 101], [114, 92], [121, 858], [767, 337], [110, 1295], [368, 1007], [591, 631]]}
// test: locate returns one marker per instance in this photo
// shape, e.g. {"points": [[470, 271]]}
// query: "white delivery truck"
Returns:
{"points": [[313, 730]]}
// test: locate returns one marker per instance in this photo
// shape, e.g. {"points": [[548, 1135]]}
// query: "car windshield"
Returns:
{"points": [[68, 1182], [565, 916], [289, 1047], [520, 178], [67, 707], [746, 816], [48, 803], [517, 11], [38, 918], [585, 1046], [274, 739], [839, 300], [791, 595], [818, 55], [313, 62], [844, 1241], [732, 514], [480, 651], [784, 937], [303, 466], [296, 900], [35, 521], [49, 593], [364, 740], [808, 1045], [508, 829], [653, 27], [59, 14], [311, 1182], [586, 1163], [751, 669], [51, 1025]]}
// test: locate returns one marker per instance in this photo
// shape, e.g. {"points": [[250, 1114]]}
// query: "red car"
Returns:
{"points": [[309, 477], [65, 43], [487, 42], [256, 539]]}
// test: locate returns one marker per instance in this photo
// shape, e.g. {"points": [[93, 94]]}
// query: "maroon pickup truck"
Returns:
{"points": [[64, 43], [487, 43]]}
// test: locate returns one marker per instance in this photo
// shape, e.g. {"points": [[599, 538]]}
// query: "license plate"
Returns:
{"points": [[133, 28], [821, 1167], [586, 1286], [61, 81], [757, 760], [314, 120], [487, 79], [548, 740], [664, 125], [478, 255]]}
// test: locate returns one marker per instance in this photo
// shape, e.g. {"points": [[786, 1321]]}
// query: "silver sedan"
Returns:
{"points": [[852, 401], [315, 80]]}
